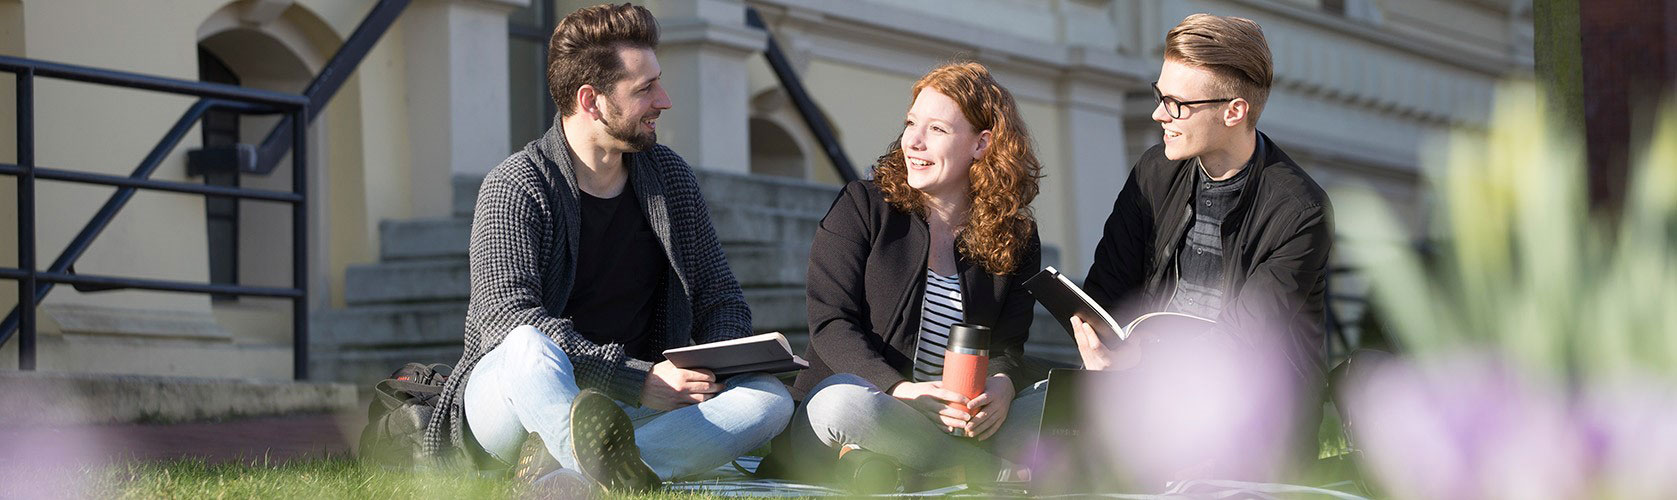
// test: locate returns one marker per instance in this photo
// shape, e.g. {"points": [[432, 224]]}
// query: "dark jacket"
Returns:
{"points": [[525, 233], [1275, 251], [867, 279]]}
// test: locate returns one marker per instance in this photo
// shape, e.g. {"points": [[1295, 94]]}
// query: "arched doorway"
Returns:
{"points": [[250, 242], [775, 152]]}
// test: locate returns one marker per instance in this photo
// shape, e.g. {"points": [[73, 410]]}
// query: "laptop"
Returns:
{"points": [[1069, 457]]}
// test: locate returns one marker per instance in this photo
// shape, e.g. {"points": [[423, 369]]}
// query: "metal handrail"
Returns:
{"points": [[331, 77], [34, 284], [299, 111], [209, 90], [177, 187]]}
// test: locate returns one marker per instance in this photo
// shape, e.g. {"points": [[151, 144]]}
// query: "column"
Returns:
{"points": [[1098, 159], [703, 49], [456, 57]]}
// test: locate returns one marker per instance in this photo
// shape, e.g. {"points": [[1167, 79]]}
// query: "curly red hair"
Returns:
{"points": [[1002, 182]]}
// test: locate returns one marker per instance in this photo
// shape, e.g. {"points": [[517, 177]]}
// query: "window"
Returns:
{"points": [[528, 30]]}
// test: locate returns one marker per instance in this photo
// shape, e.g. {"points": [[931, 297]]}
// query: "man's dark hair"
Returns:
{"points": [[583, 50]]}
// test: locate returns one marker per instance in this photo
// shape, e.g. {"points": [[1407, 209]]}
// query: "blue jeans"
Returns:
{"points": [[844, 410], [526, 384]]}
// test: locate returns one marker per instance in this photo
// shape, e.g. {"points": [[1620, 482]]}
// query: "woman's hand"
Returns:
{"points": [[935, 402], [989, 410]]}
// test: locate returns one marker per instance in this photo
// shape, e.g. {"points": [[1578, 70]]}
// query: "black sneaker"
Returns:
{"points": [[534, 461], [867, 473], [603, 439], [544, 478]]}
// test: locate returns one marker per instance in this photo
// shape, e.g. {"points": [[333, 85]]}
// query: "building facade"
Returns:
{"points": [[1362, 88]]}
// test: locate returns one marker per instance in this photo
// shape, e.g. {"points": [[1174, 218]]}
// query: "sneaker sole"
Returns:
{"points": [[603, 439], [534, 461]]}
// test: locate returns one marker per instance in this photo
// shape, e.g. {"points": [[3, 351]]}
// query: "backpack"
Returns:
{"points": [[401, 410]]}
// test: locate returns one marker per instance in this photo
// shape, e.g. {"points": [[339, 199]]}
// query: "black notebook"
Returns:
{"points": [[766, 352], [1065, 299]]}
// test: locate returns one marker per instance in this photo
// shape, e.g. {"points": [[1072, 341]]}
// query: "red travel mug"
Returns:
{"points": [[966, 363]]}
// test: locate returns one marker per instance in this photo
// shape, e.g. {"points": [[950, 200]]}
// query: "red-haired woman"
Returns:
{"points": [[942, 235]]}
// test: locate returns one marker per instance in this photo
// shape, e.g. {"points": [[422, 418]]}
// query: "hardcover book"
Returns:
{"points": [[768, 352]]}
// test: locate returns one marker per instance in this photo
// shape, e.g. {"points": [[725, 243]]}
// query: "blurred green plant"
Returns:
{"points": [[1537, 359], [1521, 267], [316, 479]]}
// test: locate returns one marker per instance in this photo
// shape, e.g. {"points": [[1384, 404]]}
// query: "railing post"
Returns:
{"points": [[299, 244], [26, 219]]}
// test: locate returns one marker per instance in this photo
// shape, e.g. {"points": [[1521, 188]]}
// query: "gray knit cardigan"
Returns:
{"points": [[523, 262]]}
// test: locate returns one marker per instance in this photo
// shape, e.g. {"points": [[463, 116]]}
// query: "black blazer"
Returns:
{"points": [[867, 278]]}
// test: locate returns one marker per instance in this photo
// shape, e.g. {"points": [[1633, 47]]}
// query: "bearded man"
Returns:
{"points": [[592, 252]]}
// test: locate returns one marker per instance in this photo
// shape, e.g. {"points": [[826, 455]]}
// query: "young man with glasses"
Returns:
{"points": [[1217, 221]]}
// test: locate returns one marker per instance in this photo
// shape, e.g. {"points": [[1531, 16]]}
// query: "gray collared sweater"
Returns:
{"points": [[523, 254]]}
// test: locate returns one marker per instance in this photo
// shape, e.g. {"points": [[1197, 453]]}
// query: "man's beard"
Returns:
{"points": [[627, 129]]}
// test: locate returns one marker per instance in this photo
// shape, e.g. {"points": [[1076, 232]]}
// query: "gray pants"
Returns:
{"points": [[845, 410]]}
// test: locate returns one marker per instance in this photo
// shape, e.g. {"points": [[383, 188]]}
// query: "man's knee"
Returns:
{"points": [[533, 354], [767, 395]]}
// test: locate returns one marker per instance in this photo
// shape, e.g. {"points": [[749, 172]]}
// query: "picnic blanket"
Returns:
{"points": [[730, 481]]}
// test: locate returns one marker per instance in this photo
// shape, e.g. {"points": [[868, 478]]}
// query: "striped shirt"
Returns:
{"points": [[941, 309]]}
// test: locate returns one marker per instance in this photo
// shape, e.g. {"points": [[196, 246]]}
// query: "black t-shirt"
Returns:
{"points": [[620, 267]]}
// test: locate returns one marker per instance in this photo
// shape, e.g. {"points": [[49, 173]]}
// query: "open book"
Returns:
{"points": [[766, 352], [1064, 299]]}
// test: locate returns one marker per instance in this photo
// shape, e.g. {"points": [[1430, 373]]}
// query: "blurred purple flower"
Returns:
{"points": [[1197, 410], [1468, 427]]}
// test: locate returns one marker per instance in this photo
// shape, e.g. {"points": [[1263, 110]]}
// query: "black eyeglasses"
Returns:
{"points": [[1174, 106]]}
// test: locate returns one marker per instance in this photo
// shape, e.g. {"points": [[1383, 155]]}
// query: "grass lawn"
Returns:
{"points": [[314, 479]]}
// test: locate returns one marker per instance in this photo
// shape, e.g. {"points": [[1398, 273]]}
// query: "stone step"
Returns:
{"points": [[781, 309], [401, 282], [768, 265], [390, 325], [365, 367], [432, 281], [719, 188], [122, 354], [722, 188], [447, 238], [763, 225], [428, 238], [58, 399], [744, 209], [465, 194]]}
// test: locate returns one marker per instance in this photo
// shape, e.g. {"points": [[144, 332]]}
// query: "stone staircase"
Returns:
{"points": [[408, 307], [411, 305]]}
